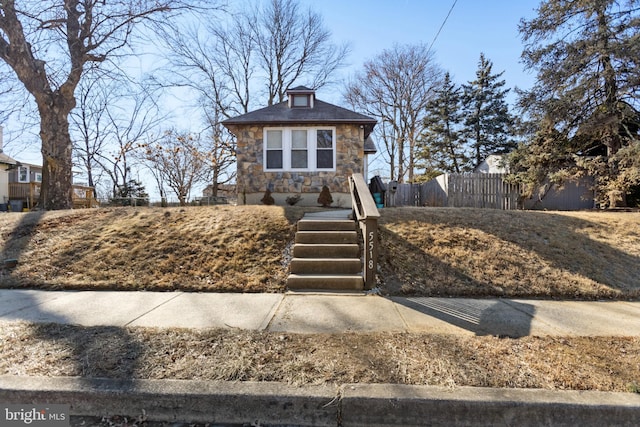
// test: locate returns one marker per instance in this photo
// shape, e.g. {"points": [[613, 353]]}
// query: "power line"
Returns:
{"points": [[442, 26]]}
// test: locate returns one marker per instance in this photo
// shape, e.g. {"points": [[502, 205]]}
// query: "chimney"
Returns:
{"points": [[1, 142]]}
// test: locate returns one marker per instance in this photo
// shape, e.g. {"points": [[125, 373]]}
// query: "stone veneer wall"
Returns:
{"points": [[253, 181]]}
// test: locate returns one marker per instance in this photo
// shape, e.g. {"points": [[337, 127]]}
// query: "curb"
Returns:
{"points": [[179, 400], [349, 405], [390, 404]]}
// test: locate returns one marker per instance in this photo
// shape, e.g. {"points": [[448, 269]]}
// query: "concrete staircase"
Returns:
{"points": [[326, 254]]}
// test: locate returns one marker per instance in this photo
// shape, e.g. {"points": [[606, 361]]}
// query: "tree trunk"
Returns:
{"points": [[400, 144], [214, 183], [56, 189], [611, 128]]}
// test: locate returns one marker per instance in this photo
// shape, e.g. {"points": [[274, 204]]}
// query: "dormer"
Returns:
{"points": [[301, 97]]}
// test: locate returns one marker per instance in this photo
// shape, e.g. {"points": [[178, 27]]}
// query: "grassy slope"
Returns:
{"points": [[425, 251], [198, 249], [472, 252]]}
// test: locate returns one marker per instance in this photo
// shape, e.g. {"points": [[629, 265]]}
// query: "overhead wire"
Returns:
{"points": [[442, 25], [446, 18]]}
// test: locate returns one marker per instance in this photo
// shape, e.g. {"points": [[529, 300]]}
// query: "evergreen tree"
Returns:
{"points": [[587, 57], [487, 119], [130, 193], [441, 147]]}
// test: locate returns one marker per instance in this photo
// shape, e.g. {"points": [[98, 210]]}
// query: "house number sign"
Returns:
{"points": [[371, 243]]}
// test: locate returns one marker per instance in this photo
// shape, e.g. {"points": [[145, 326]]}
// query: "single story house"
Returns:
{"points": [[298, 146]]}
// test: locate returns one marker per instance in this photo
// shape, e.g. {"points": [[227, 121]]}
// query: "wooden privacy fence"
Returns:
{"points": [[470, 190]]}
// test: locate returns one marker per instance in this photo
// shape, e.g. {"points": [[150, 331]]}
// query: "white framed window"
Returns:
{"points": [[23, 173], [300, 101], [274, 154], [38, 176], [325, 149], [300, 149]]}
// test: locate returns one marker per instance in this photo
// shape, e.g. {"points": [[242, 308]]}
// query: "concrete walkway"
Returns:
{"points": [[323, 313], [181, 402]]}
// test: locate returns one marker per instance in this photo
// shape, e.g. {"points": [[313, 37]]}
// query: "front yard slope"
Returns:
{"points": [[484, 252], [218, 248], [424, 251]]}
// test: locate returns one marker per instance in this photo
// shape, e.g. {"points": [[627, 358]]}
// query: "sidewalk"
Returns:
{"points": [[181, 402], [323, 313]]}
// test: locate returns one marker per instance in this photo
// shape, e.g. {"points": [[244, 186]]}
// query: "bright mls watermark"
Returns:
{"points": [[34, 415]]}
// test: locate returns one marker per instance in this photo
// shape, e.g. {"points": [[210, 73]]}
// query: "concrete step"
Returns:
{"points": [[325, 225], [345, 250], [326, 266], [326, 237], [353, 282]]}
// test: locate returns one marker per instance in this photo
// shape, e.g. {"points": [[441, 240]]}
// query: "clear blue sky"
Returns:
{"points": [[474, 26]]}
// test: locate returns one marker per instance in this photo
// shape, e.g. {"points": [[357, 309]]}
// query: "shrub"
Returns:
{"points": [[325, 198], [267, 199], [292, 200]]}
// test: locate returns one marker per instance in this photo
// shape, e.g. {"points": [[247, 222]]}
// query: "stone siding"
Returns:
{"points": [[252, 180]]}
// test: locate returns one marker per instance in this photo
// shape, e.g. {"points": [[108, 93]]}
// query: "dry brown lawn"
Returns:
{"points": [[476, 252], [577, 363], [216, 249], [424, 251]]}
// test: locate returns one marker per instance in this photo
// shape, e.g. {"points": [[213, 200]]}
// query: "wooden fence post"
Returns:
{"points": [[370, 237]]}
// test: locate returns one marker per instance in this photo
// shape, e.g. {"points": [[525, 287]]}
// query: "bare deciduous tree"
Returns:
{"points": [[215, 61], [395, 87], [89, 125], [112, 119], [131, 123], [221, 153], [49, 45], [180, 160], [266, 48], [292, 44]]}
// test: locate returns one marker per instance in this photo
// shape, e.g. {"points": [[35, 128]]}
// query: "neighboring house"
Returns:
{"points": [[224, 190], [7, 164], [494, 163], [26, 173], [24, 183], [297, 147]]}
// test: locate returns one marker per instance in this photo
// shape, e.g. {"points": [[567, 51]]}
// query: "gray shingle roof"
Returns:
{"points": [[322, 112], [370, 146]]}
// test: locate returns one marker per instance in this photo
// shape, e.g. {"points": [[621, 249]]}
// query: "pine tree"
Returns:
{"points": [[441, 148], [587, 57], [487, 119]]}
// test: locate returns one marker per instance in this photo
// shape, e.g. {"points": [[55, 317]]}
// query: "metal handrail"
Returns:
{"points": [[366, 213]]}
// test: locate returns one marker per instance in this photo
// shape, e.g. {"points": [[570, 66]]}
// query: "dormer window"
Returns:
{"points": [[300, 97], [300, 101]]}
